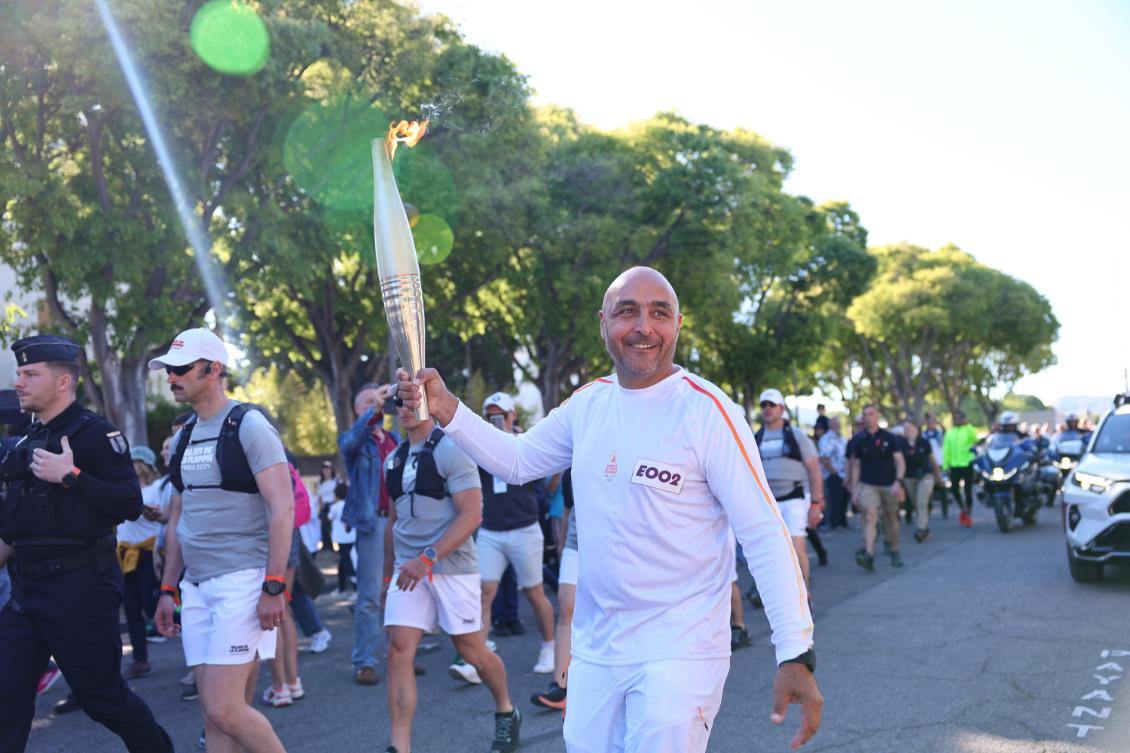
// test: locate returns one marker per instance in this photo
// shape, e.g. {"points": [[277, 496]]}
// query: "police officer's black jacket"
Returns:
{"points": [[107, 491]]}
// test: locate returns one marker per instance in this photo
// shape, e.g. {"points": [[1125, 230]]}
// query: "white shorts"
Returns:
{"points": [[567, 575], [657, 707], [795, 513], [220, 621], [524, 548], [451, 602]]}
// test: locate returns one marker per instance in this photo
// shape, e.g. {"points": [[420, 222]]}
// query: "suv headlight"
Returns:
{"points": [[1090, 482]]}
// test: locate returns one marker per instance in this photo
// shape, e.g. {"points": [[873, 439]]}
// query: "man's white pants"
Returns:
{"points": [[658, 707]]}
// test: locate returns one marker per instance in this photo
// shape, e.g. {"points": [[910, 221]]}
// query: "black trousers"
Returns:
{"points": [[965, 476], [139, 586], [345, 569], [72, 616], [837, 498]]}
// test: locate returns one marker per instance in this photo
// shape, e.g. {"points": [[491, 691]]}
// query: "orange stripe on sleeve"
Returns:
{"points": [[760, 485]]}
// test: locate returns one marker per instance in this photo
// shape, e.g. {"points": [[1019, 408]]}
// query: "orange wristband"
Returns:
{"points": [[276, 578]]}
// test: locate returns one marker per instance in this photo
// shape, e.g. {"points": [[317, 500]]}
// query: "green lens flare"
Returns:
{"points": [[327, 151], [433, 238], [230, 37]]}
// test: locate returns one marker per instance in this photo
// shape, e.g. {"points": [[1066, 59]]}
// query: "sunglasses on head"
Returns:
{"points": [[181, 370], [766, 404]]}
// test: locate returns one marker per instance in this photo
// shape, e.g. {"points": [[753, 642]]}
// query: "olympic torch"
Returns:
{"points": [[396, 254]]}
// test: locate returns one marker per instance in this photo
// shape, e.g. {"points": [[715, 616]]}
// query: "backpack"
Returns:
{"points": [[792, 448], [235, 471]]}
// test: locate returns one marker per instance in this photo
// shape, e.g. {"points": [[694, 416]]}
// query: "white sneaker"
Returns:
{"points": [[188, 680], [461, 670], [492, 646], [545, 661], [297, 692], [320, 641], [278, 698]]}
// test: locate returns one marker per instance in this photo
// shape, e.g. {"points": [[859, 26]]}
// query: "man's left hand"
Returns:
{"points": [[413, 572], [50, 466], [271, 610], [815, 515], [794, 683]]}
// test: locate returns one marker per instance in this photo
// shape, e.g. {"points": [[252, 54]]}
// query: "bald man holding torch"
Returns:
{"points": [[664, 466]]}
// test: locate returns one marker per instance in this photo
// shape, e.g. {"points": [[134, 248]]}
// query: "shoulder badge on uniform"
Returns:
{"points": [[118, 442]]}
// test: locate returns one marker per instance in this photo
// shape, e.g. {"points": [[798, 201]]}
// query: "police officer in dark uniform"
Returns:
{"points": [[64, 487]]}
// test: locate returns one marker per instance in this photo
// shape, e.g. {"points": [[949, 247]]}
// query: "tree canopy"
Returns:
{"points": [[522, 218]]}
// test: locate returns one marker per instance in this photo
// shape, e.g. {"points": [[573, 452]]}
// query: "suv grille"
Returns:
{"points": [[1121, 504]]}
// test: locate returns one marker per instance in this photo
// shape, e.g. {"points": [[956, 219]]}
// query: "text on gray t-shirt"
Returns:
{"points": [[422, 520], [220, 531]]}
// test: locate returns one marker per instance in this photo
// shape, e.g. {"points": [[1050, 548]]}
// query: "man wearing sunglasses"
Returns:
{"points": [[230, 524]]}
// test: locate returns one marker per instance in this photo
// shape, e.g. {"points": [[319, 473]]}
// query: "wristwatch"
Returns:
{"points": [[273, 587], [808, 659], [70, 478], [431, 555]]}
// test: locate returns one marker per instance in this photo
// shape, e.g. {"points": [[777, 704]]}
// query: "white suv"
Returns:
{"points": [[1096, 498]]}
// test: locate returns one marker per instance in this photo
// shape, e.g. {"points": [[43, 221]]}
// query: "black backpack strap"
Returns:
{"points": [[178, 453], [235, 471], [433, 439]]}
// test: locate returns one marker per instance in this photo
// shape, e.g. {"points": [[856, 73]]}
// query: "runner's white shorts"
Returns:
{"points": [[567, 575], [795, 513], [220, 620], [451, 602], [524, 548], [657, 707]]}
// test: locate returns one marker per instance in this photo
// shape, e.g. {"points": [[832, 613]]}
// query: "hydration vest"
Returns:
{"points": [[428, 481], [792, 447], [235, 471]]}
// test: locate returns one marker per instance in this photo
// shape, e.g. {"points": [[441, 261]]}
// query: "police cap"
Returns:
{"points": [[39, 348]]}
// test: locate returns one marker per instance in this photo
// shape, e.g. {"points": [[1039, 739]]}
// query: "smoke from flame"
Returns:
{"points": [[404, 132]]}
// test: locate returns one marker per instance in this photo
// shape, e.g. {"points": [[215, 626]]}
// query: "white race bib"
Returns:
{"points": [[657, 475]]}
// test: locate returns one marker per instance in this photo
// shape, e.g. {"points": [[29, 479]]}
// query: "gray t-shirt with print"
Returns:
{"points": [[422, 520], [782, 472], [220, 531]]}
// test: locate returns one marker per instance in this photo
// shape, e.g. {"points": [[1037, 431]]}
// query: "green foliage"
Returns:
{"points": [[302, 411], [524, 217]]}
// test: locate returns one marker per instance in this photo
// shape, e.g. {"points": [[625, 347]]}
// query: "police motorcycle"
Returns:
{"points": [[1014, 476], [1066, 451]]}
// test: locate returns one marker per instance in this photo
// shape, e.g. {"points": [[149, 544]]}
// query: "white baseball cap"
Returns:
{"points": [[502, 400], [771, 396], [190, 346]]}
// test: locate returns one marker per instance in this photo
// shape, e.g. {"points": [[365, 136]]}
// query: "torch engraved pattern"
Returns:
{"points": [[397, 266], [404, 306]]}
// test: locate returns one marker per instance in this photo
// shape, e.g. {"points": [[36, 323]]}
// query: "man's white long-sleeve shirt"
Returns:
{"points": [[660, 477]]}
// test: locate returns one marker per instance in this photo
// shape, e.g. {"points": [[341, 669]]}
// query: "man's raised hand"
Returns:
{"points": [[441, 403]]}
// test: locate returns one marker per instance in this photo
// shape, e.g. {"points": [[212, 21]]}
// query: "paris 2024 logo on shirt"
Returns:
{"points": [[657, 475]]}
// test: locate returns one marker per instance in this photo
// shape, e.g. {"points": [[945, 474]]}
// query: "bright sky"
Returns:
{"points": [[999, 126]]}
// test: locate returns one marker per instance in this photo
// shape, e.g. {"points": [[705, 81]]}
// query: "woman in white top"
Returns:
{"points": [[324, 494], [136, 541], [344, 536]]}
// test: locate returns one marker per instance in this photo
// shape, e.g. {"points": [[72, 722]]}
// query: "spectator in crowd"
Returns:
{"points": [[431, 574], [324, 493], [957, 461], [831, 450], [366, 445], [876, 468], [343, 538], [136, 541], [820, 426], [921, 474]]}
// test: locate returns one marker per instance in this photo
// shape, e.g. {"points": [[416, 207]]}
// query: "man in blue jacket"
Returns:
{"points": [[365, 447]]}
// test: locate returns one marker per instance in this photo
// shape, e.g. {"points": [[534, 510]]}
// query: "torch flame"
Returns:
{"points": [[408, 133]]}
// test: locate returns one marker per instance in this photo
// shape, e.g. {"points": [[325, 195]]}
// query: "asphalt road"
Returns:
{"points": [[981, 644]]}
